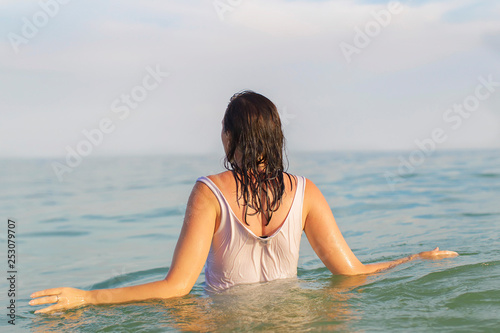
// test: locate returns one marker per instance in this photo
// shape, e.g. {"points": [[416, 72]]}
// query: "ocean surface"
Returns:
{"points": [[114, 222]]}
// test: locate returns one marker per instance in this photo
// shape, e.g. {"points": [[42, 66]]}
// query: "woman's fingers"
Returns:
{"points": [[49, 309], [437, 254], [449, 253], [46, 292], [444, 253], [46, 297], [44, 300]]}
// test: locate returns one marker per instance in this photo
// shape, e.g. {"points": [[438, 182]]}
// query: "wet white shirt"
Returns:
{"points": [[238, 256]]}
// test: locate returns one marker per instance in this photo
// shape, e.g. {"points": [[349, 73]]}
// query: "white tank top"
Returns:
{"points": [[238, 256]]}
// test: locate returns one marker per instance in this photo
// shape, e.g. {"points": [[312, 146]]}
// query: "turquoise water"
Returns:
{"points": [[114, 222]]}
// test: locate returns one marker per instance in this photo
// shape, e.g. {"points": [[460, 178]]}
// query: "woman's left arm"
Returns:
{"points": [[331, 247], [189, 257]]}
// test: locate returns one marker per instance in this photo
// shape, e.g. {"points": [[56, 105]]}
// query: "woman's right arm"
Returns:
{"points": [[330, 246], [189, 257]]}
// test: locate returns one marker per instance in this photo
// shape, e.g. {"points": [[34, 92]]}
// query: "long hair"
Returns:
{"points": [[255, 152]]}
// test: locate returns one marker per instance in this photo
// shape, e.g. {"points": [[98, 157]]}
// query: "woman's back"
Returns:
{"points": [[226, 183], [252, 253]]}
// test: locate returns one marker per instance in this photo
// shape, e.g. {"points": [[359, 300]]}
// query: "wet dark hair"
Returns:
{"points": [[253, 125]]}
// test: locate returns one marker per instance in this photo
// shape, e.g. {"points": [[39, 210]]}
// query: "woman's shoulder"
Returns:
{"points": [[313, 197], [296, 178], [220, 180], [223, 176]]}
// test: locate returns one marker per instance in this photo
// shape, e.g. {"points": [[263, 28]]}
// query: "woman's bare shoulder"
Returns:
{"points": [[313, 198], [311, 188], [220, 177]]}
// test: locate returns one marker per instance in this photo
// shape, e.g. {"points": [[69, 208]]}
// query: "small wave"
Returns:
{"points": [[152, 214], [488, 175], [352, 233], [410, 175], [138, 187], [472, 299], [56, 234], [441, 216], [430, 216], [55, 219], [455, 271], [313, 273], [135, 277], [98, 217], [154, 236], [479, 214], [127, 219], [36, 195], [162, 212], [155, 213]]}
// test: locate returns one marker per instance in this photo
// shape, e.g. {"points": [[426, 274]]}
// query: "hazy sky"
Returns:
{"points": [[344, 74]]}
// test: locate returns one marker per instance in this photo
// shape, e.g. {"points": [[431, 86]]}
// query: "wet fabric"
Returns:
{"points": [[238, 256]]}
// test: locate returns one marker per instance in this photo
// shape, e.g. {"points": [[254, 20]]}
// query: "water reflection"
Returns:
{"points": [[284, 305], [67, 321]]}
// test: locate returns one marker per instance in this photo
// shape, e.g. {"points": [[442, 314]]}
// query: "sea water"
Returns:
{"points": [[114, 221]]}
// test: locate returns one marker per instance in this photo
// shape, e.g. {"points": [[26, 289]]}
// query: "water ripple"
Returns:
{"points": [[66, 233], [138, 217], [122, 279], [487, 175]]}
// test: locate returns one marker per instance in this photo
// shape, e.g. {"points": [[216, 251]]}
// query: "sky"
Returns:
{"points": [[154, 77]]}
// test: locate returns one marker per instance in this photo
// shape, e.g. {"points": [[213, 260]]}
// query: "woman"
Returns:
{"points": [[244, 223]]}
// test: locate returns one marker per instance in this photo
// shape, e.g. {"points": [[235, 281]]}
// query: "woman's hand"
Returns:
{"points": [[437, 254], [65, 298]]}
